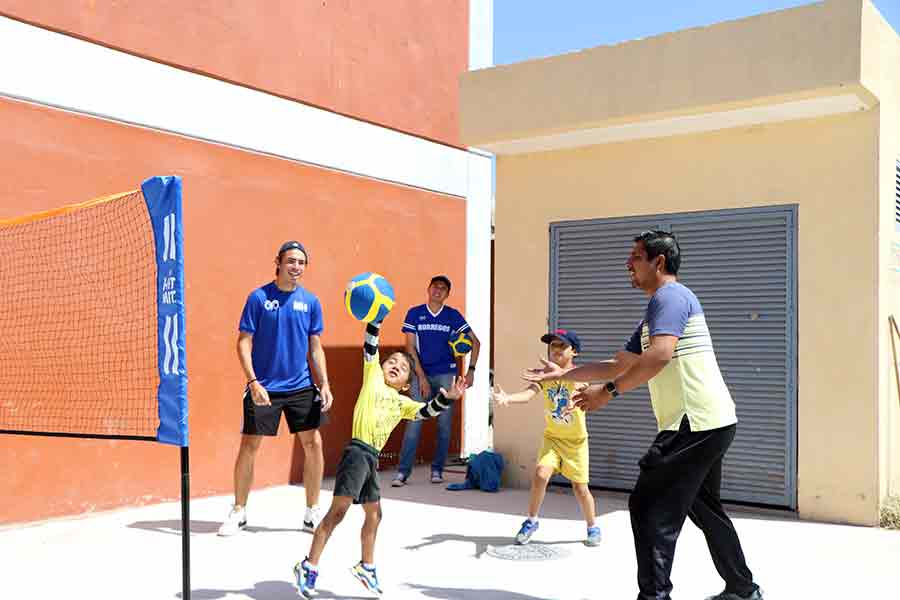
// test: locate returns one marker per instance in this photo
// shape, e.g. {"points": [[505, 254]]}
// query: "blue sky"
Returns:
{"points": [[525, 29]]}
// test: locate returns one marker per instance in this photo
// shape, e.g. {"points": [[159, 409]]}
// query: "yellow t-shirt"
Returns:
{"points": [[379, 407], [557, 394]]}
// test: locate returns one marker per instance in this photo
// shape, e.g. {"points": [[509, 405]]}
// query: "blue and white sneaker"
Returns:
{"points": [[593, 536], [306, 578], [526, 531], [367, 577]]}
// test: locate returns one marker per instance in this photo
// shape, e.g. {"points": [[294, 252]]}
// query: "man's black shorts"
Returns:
{"points": [[302, 411], [357, 473]]}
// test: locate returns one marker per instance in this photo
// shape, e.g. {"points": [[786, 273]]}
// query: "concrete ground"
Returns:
{"points": [[432, 544]]}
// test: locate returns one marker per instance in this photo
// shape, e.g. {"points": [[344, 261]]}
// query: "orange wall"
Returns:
{"points": [[395, 63], [238, 208]]}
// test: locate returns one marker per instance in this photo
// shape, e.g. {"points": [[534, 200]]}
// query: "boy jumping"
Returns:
{"points": [[565, 447], [379, 408]]}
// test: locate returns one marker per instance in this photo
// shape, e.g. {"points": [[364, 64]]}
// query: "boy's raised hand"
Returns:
{"points": [[456, 390], [549, 370], [499, 396]]}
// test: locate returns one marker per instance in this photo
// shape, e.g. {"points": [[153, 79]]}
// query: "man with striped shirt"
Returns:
{"points": [[681, 474]]}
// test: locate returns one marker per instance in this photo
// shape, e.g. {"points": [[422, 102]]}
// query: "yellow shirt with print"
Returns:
{"points": [[557, 394], [379, 407]]}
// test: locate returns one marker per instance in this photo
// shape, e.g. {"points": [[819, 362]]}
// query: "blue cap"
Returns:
{"points": [[564, 335]]}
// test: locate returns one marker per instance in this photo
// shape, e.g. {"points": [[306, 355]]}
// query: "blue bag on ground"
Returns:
{"points": [[483, 472]]}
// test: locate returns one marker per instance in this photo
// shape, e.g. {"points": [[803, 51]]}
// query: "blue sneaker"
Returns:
{"points": [[526, 531], [593, 536], [367, 577], [306, 578]]}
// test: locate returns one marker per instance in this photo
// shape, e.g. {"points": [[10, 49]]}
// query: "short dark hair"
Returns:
{"points": [[662, 243], [443, 279]]}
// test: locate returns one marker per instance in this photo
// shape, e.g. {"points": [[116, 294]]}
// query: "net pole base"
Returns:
{"points": [[185, 525]]}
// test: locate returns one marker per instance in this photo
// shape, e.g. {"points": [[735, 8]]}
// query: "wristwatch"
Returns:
{"points": [[611, 388]]}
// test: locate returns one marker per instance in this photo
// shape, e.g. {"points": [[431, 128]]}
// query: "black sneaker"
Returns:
{"points": [[755, 595]]}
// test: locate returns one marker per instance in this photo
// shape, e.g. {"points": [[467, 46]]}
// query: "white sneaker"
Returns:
{"points": [[312, 518], [237, 520]]}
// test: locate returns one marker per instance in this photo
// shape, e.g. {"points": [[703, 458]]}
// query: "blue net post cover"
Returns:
{"points": [[163, 198]]}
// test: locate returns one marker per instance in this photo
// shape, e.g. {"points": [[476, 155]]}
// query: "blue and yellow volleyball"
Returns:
{"points": [[369, 297], [461, 345]]}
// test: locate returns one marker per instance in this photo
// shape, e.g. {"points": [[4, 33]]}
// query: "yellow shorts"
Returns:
{"points": [[569, 457]]}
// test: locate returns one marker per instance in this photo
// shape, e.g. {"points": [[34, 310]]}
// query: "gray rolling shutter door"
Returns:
{"points": [[593, 296], [740, 264]]}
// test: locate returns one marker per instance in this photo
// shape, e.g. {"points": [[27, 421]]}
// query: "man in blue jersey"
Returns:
{"points": [[681, 474], [281, 324], [429, 328]]}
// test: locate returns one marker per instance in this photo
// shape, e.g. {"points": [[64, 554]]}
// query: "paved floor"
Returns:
{"points": [[432, 544]]}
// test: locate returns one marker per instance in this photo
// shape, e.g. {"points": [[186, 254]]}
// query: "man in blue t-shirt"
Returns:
{"points": [[281, 324], [429, 328]]}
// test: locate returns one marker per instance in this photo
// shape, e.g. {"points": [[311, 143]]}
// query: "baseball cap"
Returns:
{"points": [[565, 335], [292, 245], [442, 279]]}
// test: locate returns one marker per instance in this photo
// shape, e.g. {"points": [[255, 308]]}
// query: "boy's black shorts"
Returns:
{"points": [[302, 410], [357, 473]]}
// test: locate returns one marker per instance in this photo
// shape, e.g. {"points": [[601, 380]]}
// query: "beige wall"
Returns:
{"points": [[830, 168], [881, 74], [779, 56]]}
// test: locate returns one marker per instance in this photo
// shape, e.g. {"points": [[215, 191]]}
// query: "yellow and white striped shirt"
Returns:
{"points": [[691, 384]]}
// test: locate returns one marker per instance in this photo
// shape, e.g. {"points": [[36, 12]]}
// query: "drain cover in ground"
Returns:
{"points": [[529, 552]]}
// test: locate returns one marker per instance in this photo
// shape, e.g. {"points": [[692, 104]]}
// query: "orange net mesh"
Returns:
{"points": [[78, 313]]}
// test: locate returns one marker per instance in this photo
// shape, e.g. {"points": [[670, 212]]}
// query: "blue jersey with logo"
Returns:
{"points": [[281, 323], [433, 332]]}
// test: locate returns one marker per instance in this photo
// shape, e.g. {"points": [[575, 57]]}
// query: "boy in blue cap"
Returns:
{"points": [[565, 447]]}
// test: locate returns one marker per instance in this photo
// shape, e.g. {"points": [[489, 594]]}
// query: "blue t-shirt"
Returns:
{"points": [[281, 323], [433, 333]]}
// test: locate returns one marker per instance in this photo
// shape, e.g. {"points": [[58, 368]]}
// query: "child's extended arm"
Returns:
{"points": [[502, 398], [370, 346], [442, 400]]}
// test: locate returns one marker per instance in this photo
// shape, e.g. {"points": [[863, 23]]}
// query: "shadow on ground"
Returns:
{"points": [[481, 542], [470, 594], [265, 590], [560, 503], [174, 527]]}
